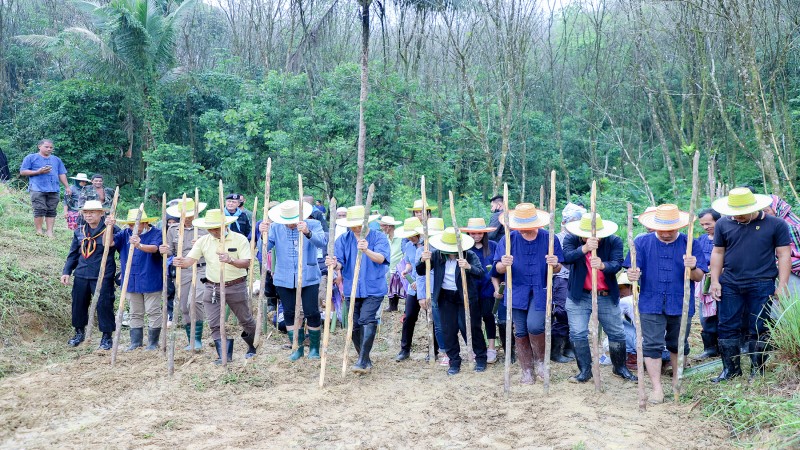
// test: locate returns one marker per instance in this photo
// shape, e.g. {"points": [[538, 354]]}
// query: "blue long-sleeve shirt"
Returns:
{"points": [[372, 278], [284, 241], [146, 268], [410, 257], [529, 271], [484, 286]]}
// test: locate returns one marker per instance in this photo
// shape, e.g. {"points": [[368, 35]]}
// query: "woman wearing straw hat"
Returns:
{"points": [[285, 224], [74, 201], [578, 247], [745, 244], [446, 291], [393, 278], [528, 261], [484, 249], [417, 208], [435, 227], [661, 260], [146, 276], [411, 242]]}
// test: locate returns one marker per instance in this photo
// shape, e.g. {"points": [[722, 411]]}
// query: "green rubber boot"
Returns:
{"points": [[313, 346], [297, 354]]}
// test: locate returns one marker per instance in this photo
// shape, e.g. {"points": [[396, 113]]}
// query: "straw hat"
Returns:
{"points": [[175, 210], [214, 219], [81, 177], [665, 217], [477, 225], [435, 226], [92, 205], [446, 241], [132, 213], [418, 206], [583, 227], [525, 216], [288, 212], [741, 201], [409, 228], [389, 220], [622, 278], [355, 217]]}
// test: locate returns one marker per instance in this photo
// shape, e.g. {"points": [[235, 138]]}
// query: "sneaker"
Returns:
{"points": [[444, 361], [491, 356], [125, 319]]}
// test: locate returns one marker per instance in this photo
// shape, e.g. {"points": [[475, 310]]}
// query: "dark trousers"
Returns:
{"points": [[560, 322], [752, 298], [365, 311], [409, 322], [82, 291], [487, 304], [451, 308], [709, 324], [309, 298], [660, 330]]}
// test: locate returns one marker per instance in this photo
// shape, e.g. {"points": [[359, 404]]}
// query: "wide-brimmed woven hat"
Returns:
{"points": [[525, 216], [741, 201], [409, 228], [583, 227], [214, 218], [477, 225], [81, 177], [418, 206], [666, 217], [93, 205], [446, 241], [622, 278], [175, 210], [389, 220], [288, 212], [355, 217], [435, 226], [132, 213]]}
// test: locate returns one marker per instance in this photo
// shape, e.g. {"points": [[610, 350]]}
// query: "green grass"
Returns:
{"points": [[785, 332]]}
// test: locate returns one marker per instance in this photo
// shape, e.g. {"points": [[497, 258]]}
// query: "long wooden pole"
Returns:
{"points": [[193, 286], [223, 336], [326, 334], [541, 197], [548, 322], [593, 321], [426, 247], [509, 297], [264, 265], [250, 271], [164, 275], [687, 272], [637, 321], [460, 248], [298, 299], [124, 294], [176, 315], [108, 238], [354, 285]]}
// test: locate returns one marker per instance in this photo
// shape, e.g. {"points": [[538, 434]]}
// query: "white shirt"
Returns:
{"points": [[449, 281]]}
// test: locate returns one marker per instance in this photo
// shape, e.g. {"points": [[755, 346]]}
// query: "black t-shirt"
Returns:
{"points": [[750, 248]]}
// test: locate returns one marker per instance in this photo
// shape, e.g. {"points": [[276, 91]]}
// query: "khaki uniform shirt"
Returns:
{"points": [[237, 247]]}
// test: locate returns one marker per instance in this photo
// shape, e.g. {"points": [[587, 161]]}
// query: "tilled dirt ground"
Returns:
{"points": [[270, 402]]}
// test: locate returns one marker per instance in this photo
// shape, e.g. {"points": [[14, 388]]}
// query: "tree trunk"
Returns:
{"points": [[362, 126]]}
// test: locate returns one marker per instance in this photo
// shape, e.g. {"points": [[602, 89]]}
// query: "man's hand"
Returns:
{"points": [[68, 190], [596, 263], [263, 227], [362, 245], [224, 257], [715, 289], [498, 295], [634, 274], [423, 303], [110, 221], [136, 240], [425, 256], [591, 244], [44, 170], [331, 261], [462, 263], [413, 286], [180, 261], [690, 262], [163, 249], [302, 227], [507, 260], [551, 260], [65, 280]]}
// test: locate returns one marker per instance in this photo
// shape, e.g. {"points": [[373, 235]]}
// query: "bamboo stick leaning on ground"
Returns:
{"points": [[460, 248], [637, 321], [124, 292], [178, 291], [687, 272], [223, 336], [426, 247], [164, 274], [264, 265], [250, 270], [593, 321], [509, 302], [108, 237], [548, 322], [298, 298], [326, 333], [354, 286], [193, 286]]}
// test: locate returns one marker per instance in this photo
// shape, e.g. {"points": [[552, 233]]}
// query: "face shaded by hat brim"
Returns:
{"points": [[175, 210], [542, 220], [350, 223], [201, 223], [274, 214], [90, 208], [81, 179], [608, 229], [648, 220], [436, 242], [721, 206], [402, 233]]}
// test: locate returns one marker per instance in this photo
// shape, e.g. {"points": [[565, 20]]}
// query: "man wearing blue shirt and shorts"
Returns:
{"points": [[45, 171]]}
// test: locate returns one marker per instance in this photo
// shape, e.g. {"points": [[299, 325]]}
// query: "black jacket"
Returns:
{"points": [[89, 268], [474, 275], [609, 251]]}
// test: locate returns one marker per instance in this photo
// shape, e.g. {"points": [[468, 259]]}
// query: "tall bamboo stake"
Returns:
{"points": [[326, 334], [541, 197], [509, 298], [687, 272], [548, 322], [108, 238], [250, 270], [193, 286], [426, 247], [460, 248], [593, 321], [178, 291], [298, 299], [354, 285], [223, 336], [124, 293], [164, 274], [264, 265], [637, 321]]}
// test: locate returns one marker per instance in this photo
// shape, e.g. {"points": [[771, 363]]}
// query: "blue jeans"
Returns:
{"points": [[608, 314], [527, 321], [753, 298], [437, 327], [630, 336]]}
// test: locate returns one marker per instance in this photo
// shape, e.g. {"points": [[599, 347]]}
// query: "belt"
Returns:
{"points": [[599, 292], [230, 283]]}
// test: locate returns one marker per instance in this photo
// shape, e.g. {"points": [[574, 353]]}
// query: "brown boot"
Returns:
{"points": [[537, 345], [631, 362], [525, 358]]}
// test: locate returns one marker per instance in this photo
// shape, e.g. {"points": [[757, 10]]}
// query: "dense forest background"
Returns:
{"points": [[166, 95]]}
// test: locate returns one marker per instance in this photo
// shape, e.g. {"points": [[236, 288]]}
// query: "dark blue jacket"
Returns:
{"points": [[609, 251]]}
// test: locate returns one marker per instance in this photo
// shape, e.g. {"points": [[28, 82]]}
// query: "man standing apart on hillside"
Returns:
{"points": [[44, 172], [494, 221]]}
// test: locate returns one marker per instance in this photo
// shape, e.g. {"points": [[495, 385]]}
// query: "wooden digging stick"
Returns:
{"points": [[326, 333], [264, 265], [164, 274], [593, 321], [509, 298], [108, 238], [250, 271], [637, 322], [298, 298], [541, 197], [193, 289], [687, 272], [548, 322], [426, 247], [354, 285], [223, 336], [176, 314], [124, 294], [460, 248]]}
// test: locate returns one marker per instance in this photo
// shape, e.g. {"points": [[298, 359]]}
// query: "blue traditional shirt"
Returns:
{"points": [[706, 244], [411, 256], [284, 241], [372, 278], [46, 182], [146, 268], [529, 271], [485, 287]]}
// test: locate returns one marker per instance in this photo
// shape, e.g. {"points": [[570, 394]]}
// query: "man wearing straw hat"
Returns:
{"points": [[393, 278], [285, 224], [660, 264], [411, 242], [236, 256], [371, 287], [83, 262], [73, 202], [743, 273], [528, 261], [417, 208], [562, 350], [146, 277], [170, 248], [578, 247]]}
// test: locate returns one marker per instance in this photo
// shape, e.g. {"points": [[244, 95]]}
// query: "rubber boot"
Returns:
{"points": [[557, 350], [218, 347], [537, 346], [569, 350], [152, 338], [106, 342], [357, 338], [198, 335], [250, 341], [525, 355], [364, 364], [188, 329], [758, 357], [583, 357], [710, 348], [618, 353], [731, 360], [394, 302], [313, 343], [297, 354], [80, 335], [136, 339], [632, 362]]}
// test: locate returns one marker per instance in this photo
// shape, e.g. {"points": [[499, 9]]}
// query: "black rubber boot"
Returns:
{"points": [[80, 335], [218, 346], [106, 342], [153, 334], [364, 364], [569, 351], [710, 347], [136, 339], [357, 338], [250, 341], [557, 350], [402, 356], [758, 357], [394, 302], [583, 357], [731, 365], [618, 355]]}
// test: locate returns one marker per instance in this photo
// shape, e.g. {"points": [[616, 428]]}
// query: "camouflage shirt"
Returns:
{"points": [[90, 193]]}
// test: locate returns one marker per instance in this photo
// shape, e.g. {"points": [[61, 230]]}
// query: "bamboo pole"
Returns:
{"points": [[223, 336], [548, 321], [193, 287], [426, 247], [541, 197], [354, 285], [250, 270], [687, 283], [509, 298], [326, 334], [298, 299], [637, 321], [460, 248], [264, 265], [108, 238], [593, 321], [176, 315], [125, 280], [164, 274]]}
